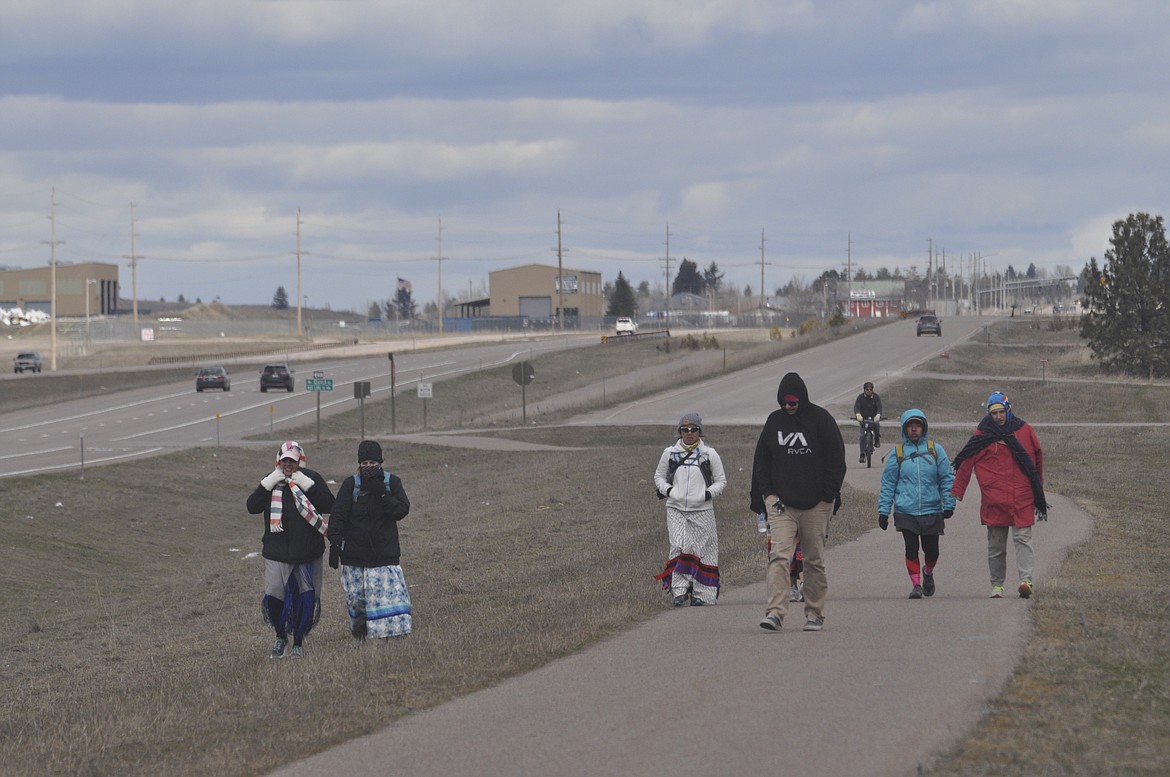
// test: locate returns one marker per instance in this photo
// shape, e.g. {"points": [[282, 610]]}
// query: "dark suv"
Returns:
{"points": [[930, 325], [277, 376], [213, 377], [29, 360]]}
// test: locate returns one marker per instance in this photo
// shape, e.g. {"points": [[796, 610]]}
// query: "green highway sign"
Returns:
{"points": [[319, 384]]}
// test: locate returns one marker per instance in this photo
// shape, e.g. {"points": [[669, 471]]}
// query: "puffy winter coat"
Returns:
{"points": [[366, 528], [1006, 490], [689, 489], [921, 485]]}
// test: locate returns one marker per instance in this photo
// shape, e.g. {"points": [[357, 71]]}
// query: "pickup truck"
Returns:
{"points": [[626, 326]]}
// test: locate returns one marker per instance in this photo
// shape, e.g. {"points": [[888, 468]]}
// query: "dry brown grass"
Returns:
{"points": [[131, 640]]}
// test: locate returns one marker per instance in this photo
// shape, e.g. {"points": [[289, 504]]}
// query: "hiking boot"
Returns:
{"points": [[298, 651], [680, 600], [916, 592], [997, 592], [771, 623], [1025, 589], [928, 585], [278, 648], [814, 624]]}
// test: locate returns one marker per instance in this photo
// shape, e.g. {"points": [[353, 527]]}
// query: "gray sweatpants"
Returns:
{"points": [[997, 552]]}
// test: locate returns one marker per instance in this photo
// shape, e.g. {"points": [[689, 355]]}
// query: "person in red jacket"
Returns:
{"points": [[1005, 456]]}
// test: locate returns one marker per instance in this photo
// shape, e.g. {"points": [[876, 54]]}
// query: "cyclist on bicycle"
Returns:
{"points": [[868, 405]]}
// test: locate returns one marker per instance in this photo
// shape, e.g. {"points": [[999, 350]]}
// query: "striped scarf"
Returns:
{"points": [[304, 507]]}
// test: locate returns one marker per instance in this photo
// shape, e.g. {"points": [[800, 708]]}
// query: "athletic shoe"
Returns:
{"points": [[997, 592], [928, 585], [697, 602], [814, 624], [861, 460], [278, 648], [796, 592], [771, 623], [297, 651], [1025, 589], [877, 443], [680, 600], [916, 592]]}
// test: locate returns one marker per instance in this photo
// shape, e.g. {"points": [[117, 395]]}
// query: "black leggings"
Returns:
{"points": [[929, 546]]}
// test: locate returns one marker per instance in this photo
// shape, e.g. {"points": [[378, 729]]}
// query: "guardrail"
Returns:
{"points": [[656, 334]]}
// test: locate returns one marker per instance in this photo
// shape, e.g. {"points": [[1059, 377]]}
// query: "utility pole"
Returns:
{"points": [[53, 241], [666, 308], [300, 296], [849, 269], [762, 296], [440, 260], [133, 271], [560, 276]]}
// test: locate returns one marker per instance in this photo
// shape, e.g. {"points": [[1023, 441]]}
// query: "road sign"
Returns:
{"points": [[425, 390], [523, 373], [319, 384]]}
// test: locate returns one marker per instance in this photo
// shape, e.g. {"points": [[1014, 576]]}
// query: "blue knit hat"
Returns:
{"points": [[999, 401]]}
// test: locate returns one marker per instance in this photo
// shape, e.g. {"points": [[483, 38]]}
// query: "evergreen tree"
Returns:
{"points": [[712, 278], [375, 310], [621, 300], [402, 307], [1128, 322], [280, 299], [644, 289], [688, 280]]}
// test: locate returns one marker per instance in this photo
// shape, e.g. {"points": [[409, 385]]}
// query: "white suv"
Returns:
{"points": [[626, 326]]}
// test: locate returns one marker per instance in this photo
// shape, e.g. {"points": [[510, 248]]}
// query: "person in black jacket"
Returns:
{"points": [[363, 541], [294, 501], [868, 405], [797, 474]]}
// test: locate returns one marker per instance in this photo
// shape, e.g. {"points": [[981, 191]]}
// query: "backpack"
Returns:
{"points": [[357, 483], [929, 452]]}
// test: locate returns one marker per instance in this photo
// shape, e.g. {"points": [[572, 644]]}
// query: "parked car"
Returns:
{"points": [[627, 326], [276, 376], [29, 360], [213, 377], [929, 324]]}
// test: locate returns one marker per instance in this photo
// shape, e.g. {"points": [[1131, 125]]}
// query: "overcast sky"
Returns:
{"points": [[1018, 130]]}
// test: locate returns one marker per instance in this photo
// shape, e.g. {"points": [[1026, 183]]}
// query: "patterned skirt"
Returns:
{"points": [[378, 601]]}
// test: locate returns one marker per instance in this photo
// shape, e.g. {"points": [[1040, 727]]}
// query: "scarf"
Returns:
{"points": [[988, 433], [304, 507]]}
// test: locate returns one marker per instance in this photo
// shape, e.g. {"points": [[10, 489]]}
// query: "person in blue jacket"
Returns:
{"points": [[916, 493]]}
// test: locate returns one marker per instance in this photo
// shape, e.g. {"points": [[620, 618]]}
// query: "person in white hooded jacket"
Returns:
{"points": [[689, 476]]}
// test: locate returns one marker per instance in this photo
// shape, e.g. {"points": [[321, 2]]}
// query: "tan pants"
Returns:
{"points": [[783, 529]]}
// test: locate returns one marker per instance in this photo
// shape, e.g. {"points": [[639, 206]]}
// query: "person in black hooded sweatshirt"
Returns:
{"points": [[797, 473]]}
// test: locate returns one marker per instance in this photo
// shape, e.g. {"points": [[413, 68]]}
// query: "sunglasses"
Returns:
{"points": [[792, 404], [689, 429]]}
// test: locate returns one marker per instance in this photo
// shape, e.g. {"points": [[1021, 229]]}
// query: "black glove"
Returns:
{"points": [[706, 496], [883, 521], [947, 514], [334, 556], [659, 494]]}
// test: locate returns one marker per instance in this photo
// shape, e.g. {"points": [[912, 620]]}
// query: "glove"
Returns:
{"points": [[706, 496], [334, 556], [858, 417], [273, 479], [659, 494], [877, 418], [1040, 515], [947, 514], [304, 481], [883, 521]]}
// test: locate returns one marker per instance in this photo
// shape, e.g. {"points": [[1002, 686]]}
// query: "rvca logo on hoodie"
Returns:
{"points": [[795, 442]]}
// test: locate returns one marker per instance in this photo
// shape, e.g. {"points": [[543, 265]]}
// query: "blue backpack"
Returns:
{"points": [[357, 483]]}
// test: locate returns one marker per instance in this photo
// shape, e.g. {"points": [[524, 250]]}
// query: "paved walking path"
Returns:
{"points": [[888, 684]]}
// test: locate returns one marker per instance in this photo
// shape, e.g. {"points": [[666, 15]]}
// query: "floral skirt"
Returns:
{"points": [[377, 600]]}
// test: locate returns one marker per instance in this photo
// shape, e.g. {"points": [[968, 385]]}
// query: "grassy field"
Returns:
{"points": [[131, 639]]}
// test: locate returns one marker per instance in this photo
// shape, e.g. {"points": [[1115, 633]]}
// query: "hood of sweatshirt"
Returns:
{"points": [[792, 384]]}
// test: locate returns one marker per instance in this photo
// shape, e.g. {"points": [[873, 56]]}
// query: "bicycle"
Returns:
{"points": [[869, 425]]}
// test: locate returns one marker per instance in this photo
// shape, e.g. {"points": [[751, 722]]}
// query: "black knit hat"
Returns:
{"points": [[368, 450]]}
